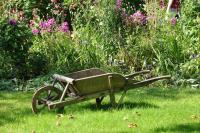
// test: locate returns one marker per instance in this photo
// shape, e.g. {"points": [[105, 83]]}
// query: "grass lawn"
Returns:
{"points": [[143, 110]]}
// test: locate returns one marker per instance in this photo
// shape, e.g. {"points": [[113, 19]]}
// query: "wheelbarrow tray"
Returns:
{"points": [[92, 83]]}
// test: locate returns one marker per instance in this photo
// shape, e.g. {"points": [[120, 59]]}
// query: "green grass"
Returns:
{"points": [[151, 109]]}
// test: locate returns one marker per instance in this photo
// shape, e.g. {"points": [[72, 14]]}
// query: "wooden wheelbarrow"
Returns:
{"points": [[86, 84]]}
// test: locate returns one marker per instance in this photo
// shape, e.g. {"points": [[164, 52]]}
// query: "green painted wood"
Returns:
{"points": [[137, 73], [63, 78], [112, 93], [95, 84], [78, 99]]}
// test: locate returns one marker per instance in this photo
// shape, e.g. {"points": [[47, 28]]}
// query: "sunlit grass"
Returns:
{"points": [[143, 110]]}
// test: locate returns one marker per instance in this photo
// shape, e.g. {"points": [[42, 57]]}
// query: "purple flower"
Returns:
{"points": [[173, 21], [138, 18], [50, 22], [35, 31], [118, 4], [54, 1], [49, 30], [162, 4], [123, 14], [12, 22], [43, 25], [32, 23], [64, 27]]}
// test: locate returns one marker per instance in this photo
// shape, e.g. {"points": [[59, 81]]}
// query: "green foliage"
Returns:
{"points": [[14, 44], [58, 53], [191, 69], [37, 64], [101, 35]]}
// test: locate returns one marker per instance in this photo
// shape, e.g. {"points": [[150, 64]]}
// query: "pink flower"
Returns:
{"points": [[64, 27], [162, 4], [173, 21], [50, 22], [35, 31], [12, 22], [43, 25], [137, 18], [123, 14], [118, 4], [54, 1], [32, 23]]}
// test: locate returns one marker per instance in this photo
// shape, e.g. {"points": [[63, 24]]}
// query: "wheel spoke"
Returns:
{"points": [[49, 93], [42, 101], [43, 97]]}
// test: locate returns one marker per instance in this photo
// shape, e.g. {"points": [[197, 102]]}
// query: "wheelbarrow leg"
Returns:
{"points": [[112, 94], [99, 100]]}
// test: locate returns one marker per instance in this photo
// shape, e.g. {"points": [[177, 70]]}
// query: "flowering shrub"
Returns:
{"points": [[135, 38], [40, 17], [173, 21], [137, 18], [131, 14], [15, 41], [48, 26], [13, 22], [130, 6]]}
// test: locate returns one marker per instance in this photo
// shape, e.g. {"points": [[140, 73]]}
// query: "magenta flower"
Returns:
{"points": [[35, 31], [54, 1], [173, 21], [51, 22], [43, 25], [64, 27], [138, 18], [49, 30], [12, 22], [123, 14], [162, 4], [118, 4], [32, 23]]}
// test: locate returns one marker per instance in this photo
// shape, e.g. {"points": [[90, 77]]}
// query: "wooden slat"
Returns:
{"points": [[146, 82], [63, 78], [112, 94], [137, 73], [77, 99], [64, 92], [98, 83]]}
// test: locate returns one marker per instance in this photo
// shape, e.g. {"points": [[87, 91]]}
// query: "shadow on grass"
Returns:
{"points": [[125, 105], [14, 107], [186, 128], [14, 115]]}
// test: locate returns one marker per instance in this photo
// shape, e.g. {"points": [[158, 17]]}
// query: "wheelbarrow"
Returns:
{"points": [[84, 85]]}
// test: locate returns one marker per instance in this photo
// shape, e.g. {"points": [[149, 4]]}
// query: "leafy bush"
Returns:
{"points": [[14, 43], [121, 35], [58, 50]]}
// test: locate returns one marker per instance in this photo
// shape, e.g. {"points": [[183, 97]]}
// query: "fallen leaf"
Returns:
{"points": [[58, 123], [71, 116], [59, 115], [132, 125], [194, 117], [137, 113], [125, 118]]}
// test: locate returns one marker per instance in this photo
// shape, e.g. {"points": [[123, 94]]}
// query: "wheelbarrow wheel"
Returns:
{"points": [[44, 96]]}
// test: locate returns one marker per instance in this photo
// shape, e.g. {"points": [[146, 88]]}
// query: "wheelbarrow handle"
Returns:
{"points": [[147, 82], [137, 73]]}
